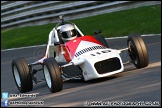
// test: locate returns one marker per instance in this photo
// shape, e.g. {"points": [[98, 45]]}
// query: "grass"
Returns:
{"points": [[143, 20]]}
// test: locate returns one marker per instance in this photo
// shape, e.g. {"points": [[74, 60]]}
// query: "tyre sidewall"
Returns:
{"points": [[140, 50], [55, 75], [24, 74]]}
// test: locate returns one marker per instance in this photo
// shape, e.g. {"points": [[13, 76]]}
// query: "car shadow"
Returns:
{"points": [[75, 83]]}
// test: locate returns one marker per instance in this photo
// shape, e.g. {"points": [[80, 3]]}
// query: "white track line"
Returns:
{"points": [[23, 47], [127, 36], [105, 38]]}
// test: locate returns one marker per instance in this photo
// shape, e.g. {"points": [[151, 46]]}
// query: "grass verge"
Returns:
{"points": [[143, 20]]}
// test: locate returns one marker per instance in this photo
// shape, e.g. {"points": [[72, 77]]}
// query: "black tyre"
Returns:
{"points": [[22, 75], [101, 40], [137, 50], [52, 75]]}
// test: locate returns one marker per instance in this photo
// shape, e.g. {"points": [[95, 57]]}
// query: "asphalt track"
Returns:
{"points": [[132, 85]]}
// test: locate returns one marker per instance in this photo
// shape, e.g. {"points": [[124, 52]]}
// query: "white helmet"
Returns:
{"points": [[68, 32]]}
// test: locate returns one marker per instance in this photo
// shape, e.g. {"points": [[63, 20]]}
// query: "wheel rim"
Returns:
{"points": [[47, 76], [17, 76], [132, 52]]}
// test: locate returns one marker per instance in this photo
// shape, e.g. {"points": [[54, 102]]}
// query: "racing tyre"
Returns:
{"points": [[22, 75], [101, 40], [137, 51], [52, 74]]}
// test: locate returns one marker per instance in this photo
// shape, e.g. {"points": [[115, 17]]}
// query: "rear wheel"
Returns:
{"points": [[137, 50], [22, 75], [52, 75], [101, 40]]}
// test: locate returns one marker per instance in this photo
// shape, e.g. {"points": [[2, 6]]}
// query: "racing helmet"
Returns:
{"points": [[68, 32]]}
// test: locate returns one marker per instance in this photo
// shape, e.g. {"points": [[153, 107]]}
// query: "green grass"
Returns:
{"points": [[143, 20]]}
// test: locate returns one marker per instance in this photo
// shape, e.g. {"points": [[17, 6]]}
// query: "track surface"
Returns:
{"points": [[133, 85]]}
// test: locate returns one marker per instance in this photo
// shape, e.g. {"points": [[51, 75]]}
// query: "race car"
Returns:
{"points": [[90, 55]]}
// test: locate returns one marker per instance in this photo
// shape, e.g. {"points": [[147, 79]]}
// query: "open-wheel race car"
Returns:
{"points": [[68, 47]]}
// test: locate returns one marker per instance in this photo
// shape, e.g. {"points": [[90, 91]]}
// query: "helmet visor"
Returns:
{"points": [[69, 34]]}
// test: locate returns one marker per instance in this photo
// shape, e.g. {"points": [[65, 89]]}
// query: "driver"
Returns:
{"points": [[68, 32]]}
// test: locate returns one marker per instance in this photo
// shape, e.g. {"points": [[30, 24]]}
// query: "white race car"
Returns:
{"points": [[90, 55]]}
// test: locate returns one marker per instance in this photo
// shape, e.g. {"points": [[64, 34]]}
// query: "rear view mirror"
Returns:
{"points": [[57, 43], [97, 32]]}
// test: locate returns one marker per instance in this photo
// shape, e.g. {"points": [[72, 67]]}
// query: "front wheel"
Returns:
{"points": [[137, 50], [22, 75], [101, 40], [52, 75]]}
